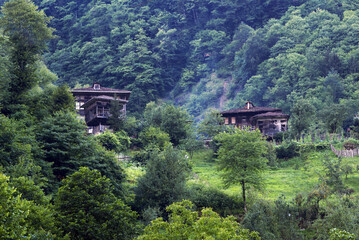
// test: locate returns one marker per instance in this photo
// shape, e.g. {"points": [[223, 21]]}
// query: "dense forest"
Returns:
{"points": [[171, 169], [150, 47], [211, 54]]}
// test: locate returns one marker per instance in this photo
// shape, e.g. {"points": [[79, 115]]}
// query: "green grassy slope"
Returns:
{"points": [[289, 178]]}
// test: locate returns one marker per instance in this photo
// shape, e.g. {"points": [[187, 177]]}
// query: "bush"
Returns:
{"points": [[350, 144], [338, 212], [141, 157], [294, 149], [154, 138], [273, 220], [220, 202], [281, 136], [288, 150], [109, 141], [322, 146], [270, 155]]}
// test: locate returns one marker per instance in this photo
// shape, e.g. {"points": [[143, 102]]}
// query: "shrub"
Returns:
{"points": [[141, 157], [270, 155], [220, 202], [350, 144], [273, 220], [109, 141], [288, 150]]}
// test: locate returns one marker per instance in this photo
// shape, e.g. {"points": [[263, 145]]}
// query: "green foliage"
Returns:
{"points": [[340, 234], [117, 142], [271, 154], [20, 153], [240, 158], [27, 30], [13, 212], [29, 190], [66, 145], [23, 219], [333, 173], [187, 224], [172, 120], [333, 116], [191, 144], [301, 117], [154, 138], [62, 137], [276, 220], [146, 47], [89, 210], [210, 197], [116, 120], [15, 142], [62, 99], [212, 124], [287, 150], [164, 181], [340, 213]]}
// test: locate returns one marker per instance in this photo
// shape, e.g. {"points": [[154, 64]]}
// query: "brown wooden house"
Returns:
{"points": [[268, 120], [93, 105]]}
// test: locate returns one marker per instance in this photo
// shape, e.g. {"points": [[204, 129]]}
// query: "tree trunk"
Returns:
{"points": [[244, 196]]}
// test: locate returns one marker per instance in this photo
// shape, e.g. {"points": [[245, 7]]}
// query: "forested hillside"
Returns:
{"points": [[159, 174], [211, 53], [150, 47]]}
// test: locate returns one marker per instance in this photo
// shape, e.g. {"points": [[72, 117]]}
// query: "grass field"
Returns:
{"points": [[288, 179]]}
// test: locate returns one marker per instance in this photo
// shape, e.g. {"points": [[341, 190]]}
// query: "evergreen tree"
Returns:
{"points": [[164, 181], [116, 119], [28, 33], [89, 210]]}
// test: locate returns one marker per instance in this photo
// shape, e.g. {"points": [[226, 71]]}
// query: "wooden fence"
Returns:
{"points": [[345, 153]]}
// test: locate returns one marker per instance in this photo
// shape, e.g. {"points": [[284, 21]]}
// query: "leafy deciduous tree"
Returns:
{"points": [[301, 117], [184, 223], [240, 157]]}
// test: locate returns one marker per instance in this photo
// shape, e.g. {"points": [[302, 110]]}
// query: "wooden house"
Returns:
{"points": [[268, 120], [93, 105]]}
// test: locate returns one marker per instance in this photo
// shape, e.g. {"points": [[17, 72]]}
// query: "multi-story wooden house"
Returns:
{"points": [[93, 105], [268, 120]]}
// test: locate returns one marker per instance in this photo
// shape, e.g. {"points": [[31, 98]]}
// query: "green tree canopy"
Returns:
{"points": [[89, 210], [301, 117], [212, 124], [240, 158], [27, 30], [184, 223], [164, 181], [174, 121]]}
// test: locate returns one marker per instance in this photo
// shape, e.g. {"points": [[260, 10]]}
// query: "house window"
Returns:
{"points": [[226, 121], [233, 120], [78, 104], [96, 86]]}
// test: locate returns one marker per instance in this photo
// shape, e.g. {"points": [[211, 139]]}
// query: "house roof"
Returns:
{"points": [[98, 89], [102, 89], [271, 114], [102, 98], [252, 109]]}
